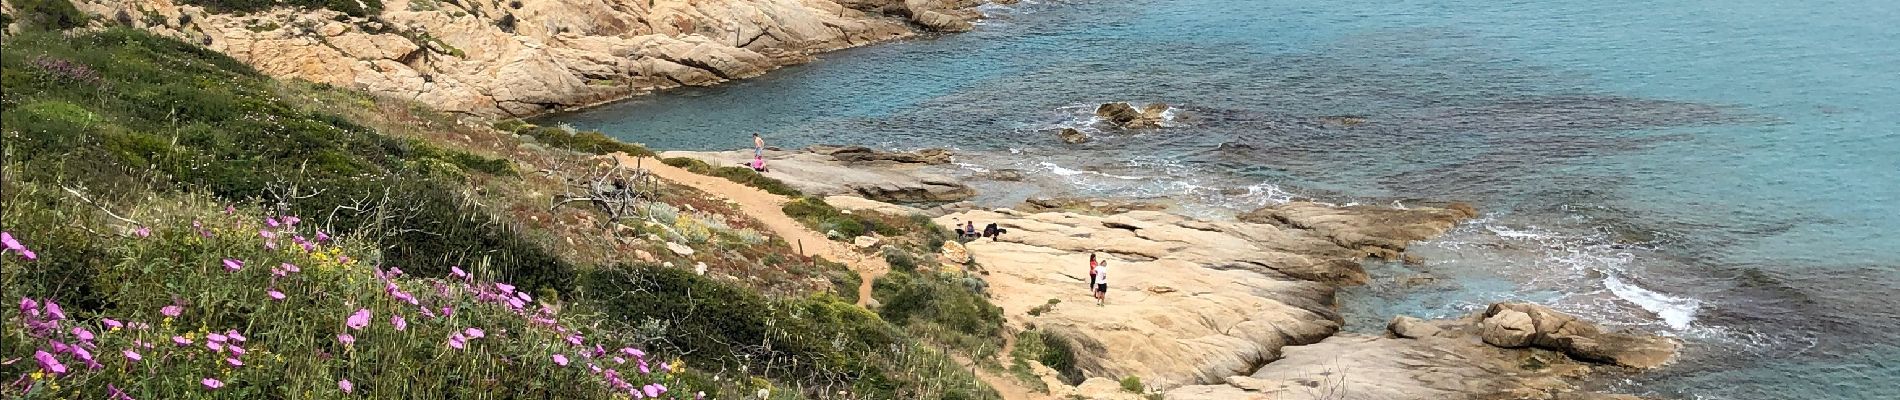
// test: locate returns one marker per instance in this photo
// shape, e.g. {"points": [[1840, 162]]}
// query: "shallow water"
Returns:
{"points": [[1722, 171]]}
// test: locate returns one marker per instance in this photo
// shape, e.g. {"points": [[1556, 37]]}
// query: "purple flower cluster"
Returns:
{"points": [[66, 69]]}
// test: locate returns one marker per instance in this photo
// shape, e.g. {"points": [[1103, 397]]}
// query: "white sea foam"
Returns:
{"points": [[1059, 170], [1678, 312], [973, 167]]}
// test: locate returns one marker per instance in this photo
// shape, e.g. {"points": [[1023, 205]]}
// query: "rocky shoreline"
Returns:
{"points": [[1232, 309], [511, 58]]}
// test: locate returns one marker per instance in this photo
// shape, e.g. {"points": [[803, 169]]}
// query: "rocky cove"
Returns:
{"points": [[1223, 309]]}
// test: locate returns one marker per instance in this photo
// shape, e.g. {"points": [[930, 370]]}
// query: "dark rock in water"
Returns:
{"points": [[1119, 114], [861, 154], [1127, 117], [1072, 136], [1343, 120], [1090, 206], [1006, 175]]}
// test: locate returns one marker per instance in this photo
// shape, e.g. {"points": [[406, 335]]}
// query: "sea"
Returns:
{"points": [[1725, 172]]}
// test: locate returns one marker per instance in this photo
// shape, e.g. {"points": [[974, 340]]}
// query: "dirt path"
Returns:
{"points": [[769, 210]]}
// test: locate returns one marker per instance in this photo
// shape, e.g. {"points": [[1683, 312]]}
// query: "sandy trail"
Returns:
{"points": [[769, 210]]}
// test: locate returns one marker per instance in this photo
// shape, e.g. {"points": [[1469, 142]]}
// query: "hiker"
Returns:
{"points": [[991, 231], [1101, 283], [758, 146], [969, 230]]}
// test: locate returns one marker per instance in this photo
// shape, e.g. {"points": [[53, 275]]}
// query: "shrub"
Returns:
{"points": [[900, 260], [48, 14], [356, 8], [1132, 384], [909, 298]]}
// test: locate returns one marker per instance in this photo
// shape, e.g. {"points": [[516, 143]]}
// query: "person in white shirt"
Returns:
{"points": [[1101, 282]]}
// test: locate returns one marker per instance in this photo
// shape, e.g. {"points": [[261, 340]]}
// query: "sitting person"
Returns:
{"points": [[991, 231], [758, 164]]}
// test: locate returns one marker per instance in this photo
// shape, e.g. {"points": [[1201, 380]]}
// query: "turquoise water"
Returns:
{"points": [[1722, 171]]}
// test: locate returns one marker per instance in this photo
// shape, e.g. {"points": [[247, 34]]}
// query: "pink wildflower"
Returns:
{"points": [[474, 333], [171, 311], [275, 295], [111, 323], [83, 334], [116, 394], [48, 363], [217, 337], [652, 390], [212, 384], [288, 267], [234, 335], [574, 339], [29, 307], [457, 272], [345, 386], [457, 341], [345, 338], [394, 271], [181, 340], [398, 322], [143, 232], [233, 265], [53, 311], [359, 320], [505, 288], [214, 346], [560, 359], [235, 350], [620, 360], [272, 221], [234, 361], [322, 237]]}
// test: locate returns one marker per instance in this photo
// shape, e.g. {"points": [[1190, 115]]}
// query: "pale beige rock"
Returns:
{"points": [[1412, 328], [955, 253], [1236, 292], [1374, 230], [499, 58]]}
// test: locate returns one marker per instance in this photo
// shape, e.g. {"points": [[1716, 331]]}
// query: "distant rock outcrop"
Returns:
{"points": [[1125, 115], [901, 177], [503, 58]]}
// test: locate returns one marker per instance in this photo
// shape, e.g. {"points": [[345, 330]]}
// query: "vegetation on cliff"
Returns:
{"points": [[169, 193]]}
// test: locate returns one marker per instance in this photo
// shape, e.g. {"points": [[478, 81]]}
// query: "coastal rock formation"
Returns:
{"points": [[1453, 358], [1376, 231], [1125, 115], [496, 58], [913, 177], [1189, 302], [1526, 325]]}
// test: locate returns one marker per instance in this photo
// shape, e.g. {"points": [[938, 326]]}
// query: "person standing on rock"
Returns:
{"points": [[758, 146], [1101, 283], [1091, 286]]}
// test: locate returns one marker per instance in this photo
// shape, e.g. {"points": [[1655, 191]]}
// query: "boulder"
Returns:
{"points": [[1519, 324], [955, 253], [1072, 136], [1411, 328], [865, 242], [680, 249]]}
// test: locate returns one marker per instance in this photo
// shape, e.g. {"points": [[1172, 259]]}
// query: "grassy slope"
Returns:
{"points": [[162, 133]]}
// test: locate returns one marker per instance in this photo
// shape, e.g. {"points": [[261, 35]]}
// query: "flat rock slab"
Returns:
{"points": [[874, 178], [1189, 301]]}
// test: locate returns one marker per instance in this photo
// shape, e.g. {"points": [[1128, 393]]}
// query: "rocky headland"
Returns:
{"points": [[514, 58], [1245, 308]]}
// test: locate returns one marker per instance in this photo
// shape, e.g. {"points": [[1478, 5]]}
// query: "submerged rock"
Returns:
{"points": [[1126, 116], [1072, 136]]}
